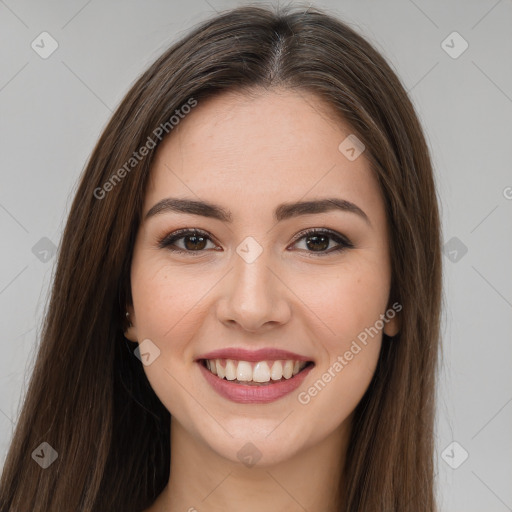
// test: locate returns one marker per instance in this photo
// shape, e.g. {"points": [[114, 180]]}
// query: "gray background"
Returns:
{"points": [[53, 109]]}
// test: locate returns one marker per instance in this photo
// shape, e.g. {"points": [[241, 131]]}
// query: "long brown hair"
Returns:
{"points": [[89, 398]]}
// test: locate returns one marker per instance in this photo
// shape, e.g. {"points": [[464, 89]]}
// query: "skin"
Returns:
{"points": [[249, 153]]}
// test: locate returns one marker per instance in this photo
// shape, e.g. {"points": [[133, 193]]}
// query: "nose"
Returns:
{"points": [[254, 297]]}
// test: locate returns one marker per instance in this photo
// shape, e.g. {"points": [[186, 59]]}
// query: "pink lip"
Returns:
{"points": [[246, 394], [263, 354]]}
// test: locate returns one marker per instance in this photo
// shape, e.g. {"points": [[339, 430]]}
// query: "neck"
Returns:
{"points": [[201, 479]]}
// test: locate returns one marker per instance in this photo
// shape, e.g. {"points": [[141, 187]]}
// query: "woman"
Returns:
{"points": [[245, 312]]}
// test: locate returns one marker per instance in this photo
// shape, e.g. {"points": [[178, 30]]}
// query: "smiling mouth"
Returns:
{"points": [[260, 373]]}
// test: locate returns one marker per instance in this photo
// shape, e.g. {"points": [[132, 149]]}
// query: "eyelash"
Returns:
{"points": [[343, 242]]}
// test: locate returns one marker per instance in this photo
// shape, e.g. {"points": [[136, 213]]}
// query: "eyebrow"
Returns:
{"points": [[283, 212]]}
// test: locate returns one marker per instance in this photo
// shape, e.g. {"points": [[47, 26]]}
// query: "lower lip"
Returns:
{"points": [[245, 394]]}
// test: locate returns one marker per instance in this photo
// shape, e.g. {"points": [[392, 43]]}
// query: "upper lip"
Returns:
{"points": [[263, 354]]}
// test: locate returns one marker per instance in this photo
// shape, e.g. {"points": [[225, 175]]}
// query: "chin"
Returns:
{"points": [[259, 444]]}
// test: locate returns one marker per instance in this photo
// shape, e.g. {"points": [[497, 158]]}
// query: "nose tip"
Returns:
{"points": [[254, 297]]}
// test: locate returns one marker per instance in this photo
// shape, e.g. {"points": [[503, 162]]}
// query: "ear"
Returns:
{"points": [[393, 325], [131, 325]]}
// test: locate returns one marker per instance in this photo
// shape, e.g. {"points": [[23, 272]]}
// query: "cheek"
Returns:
{"points": [[166, 303], [165, 299], [346, 300], [349, 307]]}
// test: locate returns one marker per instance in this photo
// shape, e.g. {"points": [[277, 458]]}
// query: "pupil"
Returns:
{"points": [[193, 245], [315, 238]]}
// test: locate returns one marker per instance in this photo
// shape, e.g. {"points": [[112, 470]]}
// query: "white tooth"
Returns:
{"points": [[277, 371], [244, 371], [208, 364], [213, 367], [288, 369], [220, 370], [296, 367], [230, 370], [261, 372], [302, 365]]}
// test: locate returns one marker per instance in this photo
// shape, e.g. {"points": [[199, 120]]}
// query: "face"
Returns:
{"points": [[250, 287]]}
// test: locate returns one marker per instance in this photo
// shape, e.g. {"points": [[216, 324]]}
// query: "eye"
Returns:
{"points": [[317, 241], [195, 241]]}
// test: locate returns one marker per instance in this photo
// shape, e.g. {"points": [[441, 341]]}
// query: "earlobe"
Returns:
{"points": [[392, 326], [130, 331]]}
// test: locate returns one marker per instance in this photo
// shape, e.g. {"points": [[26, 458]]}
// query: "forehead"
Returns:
{"points": [[246, 148]]}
